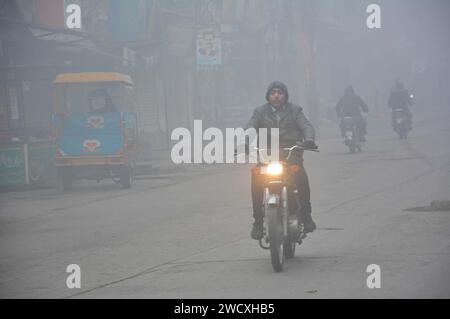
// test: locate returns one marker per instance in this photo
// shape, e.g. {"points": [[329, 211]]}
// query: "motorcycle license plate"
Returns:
{"points": [[272, 199]]}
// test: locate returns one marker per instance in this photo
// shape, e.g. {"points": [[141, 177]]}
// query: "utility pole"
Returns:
{"points": [[306, 13], [195, 68]]}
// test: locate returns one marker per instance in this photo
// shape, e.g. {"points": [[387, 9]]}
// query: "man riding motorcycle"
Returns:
{"points": [[294, 128], [351, 105], [401, 99]]}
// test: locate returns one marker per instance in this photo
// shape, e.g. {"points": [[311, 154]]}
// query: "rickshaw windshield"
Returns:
{"points": [[93, 97]]}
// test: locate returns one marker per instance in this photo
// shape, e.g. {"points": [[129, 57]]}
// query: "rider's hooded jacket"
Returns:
{"points": [[351, 104], [399, 97], [289, 119]]}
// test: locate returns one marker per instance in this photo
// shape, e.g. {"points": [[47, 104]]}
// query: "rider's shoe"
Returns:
{"points": [[257, 231], [309, 225]]}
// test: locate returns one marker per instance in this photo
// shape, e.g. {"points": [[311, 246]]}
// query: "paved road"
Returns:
{"points": [[187, 236]]}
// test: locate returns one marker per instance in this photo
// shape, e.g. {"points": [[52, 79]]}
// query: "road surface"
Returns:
{"points": [[187, 236]]}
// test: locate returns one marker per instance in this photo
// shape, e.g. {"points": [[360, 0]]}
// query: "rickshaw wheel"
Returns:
{"points": [[126, 179], [67, 178]]}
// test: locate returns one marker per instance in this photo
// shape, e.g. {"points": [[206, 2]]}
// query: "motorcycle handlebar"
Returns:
{"points": [[297, 147]]}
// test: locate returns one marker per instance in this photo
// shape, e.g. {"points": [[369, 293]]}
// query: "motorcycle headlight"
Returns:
{"points": [[272, 169]]}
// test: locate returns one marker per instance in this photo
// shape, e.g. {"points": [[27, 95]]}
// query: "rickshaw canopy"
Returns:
{"points": [[92, 77]]}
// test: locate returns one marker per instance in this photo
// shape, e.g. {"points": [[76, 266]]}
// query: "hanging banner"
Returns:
{"points": [[13, 104], [50, 13], [126, 19], [209, 48], [59, 14]]}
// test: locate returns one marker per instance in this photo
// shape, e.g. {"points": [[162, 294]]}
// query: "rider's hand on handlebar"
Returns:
{"points": [[310, 144]]}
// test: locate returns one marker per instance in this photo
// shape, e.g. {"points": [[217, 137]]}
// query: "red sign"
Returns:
{"points": [[50, 13]]}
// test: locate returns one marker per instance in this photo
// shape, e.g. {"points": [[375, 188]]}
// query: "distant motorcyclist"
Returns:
{"points": [[294, 128], [401, 99], [353, 106]]}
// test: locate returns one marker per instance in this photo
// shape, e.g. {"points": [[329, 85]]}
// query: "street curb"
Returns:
{"points": [[152, 169]]}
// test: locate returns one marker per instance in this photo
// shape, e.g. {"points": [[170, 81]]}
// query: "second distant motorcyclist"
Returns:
{"points": [[353, 106], [401, 99]]}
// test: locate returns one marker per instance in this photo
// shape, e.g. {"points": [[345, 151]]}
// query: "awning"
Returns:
{"points": [[90, 77]]}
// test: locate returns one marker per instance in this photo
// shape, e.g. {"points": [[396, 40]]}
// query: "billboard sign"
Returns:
{"points": [[209, 48]]}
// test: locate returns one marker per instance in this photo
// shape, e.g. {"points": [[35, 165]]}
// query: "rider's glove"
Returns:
{"points": [[310, 144]]}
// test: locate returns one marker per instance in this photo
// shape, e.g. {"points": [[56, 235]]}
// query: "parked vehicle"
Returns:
{"points": [[95, 127]]}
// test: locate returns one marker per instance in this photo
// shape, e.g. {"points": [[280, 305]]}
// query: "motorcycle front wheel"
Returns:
{"points": [[276, 238]]}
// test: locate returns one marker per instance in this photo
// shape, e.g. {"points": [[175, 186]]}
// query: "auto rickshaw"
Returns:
{"points": [[95, 127]]}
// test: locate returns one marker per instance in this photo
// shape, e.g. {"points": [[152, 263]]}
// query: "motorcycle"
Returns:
{"points": [[401, 125], [281, 228], [401, 121], [352, 134]]}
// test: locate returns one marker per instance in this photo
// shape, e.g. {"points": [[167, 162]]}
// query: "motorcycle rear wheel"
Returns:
{"points": [[289, 248]]}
